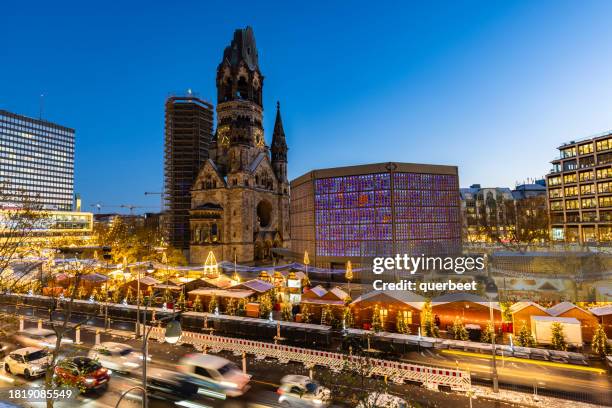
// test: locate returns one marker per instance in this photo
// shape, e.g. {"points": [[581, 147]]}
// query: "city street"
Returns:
{"points": [[563, 381], [266, 375]]}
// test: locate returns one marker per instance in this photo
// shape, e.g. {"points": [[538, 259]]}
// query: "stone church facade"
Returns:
{"points": [[240, 199]]}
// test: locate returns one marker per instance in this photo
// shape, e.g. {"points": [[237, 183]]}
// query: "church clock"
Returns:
{"points": [[258, 138]]}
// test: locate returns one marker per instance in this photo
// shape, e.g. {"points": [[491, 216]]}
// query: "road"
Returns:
{"points": [[562, 381], [266, 375]]}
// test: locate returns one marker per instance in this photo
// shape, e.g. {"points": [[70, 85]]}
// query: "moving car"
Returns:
{"points": [[301, 391], [215, 373], [34, 337], [169, 385], [82, 372], [28, 361], [116, 356], [384, 400]]}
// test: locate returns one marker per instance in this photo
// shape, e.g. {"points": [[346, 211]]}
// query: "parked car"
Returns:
{"points": [[34, 337], [384, 400], [29, 361], [116, 356], [82, 372], [301, 391], [215, 373]]}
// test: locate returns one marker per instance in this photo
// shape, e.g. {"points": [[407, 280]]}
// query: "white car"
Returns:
{"points": [[116, 356], [301, 391], [384, 400], [215, 373], [29, 361], [38, 338]]}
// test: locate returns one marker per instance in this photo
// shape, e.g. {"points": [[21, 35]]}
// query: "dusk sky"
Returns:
{"points": [[492, 87]]}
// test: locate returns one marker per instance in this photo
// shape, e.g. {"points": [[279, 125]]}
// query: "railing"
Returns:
{"points": [[397, 372]]}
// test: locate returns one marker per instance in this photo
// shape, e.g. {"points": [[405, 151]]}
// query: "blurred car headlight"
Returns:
{"points": [[228, 384]]}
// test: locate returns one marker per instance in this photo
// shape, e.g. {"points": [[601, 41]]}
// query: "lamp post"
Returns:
{"points": [[491, 291], [150, 269], [171, 335]]}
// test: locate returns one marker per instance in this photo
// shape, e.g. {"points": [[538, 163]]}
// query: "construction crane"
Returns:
{"points": [[99, 206], [131, 207], [161, 197]]}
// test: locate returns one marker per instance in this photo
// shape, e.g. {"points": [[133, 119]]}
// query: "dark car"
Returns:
{"points": [[83, 372]]}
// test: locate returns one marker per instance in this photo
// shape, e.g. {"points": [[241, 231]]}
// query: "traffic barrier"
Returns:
{"points": [[398, 372]]}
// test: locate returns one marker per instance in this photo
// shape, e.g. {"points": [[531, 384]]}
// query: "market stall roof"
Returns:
{"points": [[463, 297], [518, 306], [165, 286], [220, 281], [335, 293], [563, 307], [147, 280], [410, 298], [223, 293], [257, 285], [601, 310], [316, 292], [94, 277]]}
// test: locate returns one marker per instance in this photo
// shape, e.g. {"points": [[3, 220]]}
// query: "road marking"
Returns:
{"points": [[189, 404], [266, 383], [7, 379], [523, 360]]}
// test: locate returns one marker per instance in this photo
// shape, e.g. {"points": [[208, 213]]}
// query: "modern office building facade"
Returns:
{"points": [[580, 191], [36, 160], [188, 133], [360, 212]]}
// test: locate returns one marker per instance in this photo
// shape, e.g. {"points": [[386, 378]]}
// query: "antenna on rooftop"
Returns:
{"points": [[41, 106]]}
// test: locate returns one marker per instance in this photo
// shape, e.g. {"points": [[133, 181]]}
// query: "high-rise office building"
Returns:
{"points": [[36, 159], [580, 191], [189, 126]]}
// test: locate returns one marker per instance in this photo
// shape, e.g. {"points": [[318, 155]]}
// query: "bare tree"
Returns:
{"points": [[21, 218], [61, 328]]}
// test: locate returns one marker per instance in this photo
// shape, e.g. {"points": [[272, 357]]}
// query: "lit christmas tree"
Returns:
{"points": [[428, 325], [487, 335], [458, 330], [525, 338], [600, 342], [376, 322], [212, 304], [197, 304], [558, 338]]}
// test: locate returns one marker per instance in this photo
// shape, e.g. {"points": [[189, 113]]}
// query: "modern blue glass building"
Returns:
{"points": [[359, 212]]}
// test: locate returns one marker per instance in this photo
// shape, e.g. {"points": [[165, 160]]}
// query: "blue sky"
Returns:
{"points": [[492, 87]]}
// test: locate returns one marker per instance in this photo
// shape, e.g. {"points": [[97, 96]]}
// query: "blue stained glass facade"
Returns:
{"points": [[386, 213]]}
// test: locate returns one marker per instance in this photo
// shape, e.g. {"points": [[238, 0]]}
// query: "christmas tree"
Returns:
{"points": [[306, 315], [197, 304], [129, 295], [401, 325], [428, 326], [241, 307], [265, 306], [347, 316], [286, 312], [558, 338], [327, 315], [376, 322], [487, 335], [458, 330], [181, 300], [525, 338], [600, 342], [230, 307], [212, 304]]}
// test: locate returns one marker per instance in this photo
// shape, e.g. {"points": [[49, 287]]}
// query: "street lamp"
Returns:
{"points": [[150, 269], [491, 292], [171, 336]]}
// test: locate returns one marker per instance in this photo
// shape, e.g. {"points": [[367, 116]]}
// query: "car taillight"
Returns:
{"points": [[280, 391]]}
